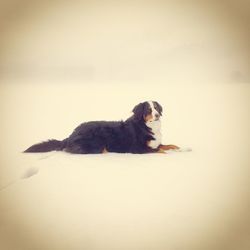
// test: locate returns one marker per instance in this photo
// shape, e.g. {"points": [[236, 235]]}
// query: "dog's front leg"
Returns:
{"points": [[168, 147]]}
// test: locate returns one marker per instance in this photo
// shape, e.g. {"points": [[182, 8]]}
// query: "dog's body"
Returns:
{"points": [[138, 134]]}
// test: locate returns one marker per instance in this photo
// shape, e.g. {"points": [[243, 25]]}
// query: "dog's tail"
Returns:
{"points": [[47, 146]]}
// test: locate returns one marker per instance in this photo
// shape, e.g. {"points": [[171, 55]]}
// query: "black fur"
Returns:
{"points": [[47, 146], [130, 136]]}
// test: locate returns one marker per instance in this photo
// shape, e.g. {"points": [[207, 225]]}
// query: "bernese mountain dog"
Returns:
{"points": [[139, 134]]}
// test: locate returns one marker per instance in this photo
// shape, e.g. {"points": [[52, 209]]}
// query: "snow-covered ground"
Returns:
{"points": [[188, 200], [66, 62]]}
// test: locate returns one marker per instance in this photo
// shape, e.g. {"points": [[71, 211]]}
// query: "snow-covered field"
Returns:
{"points": [[66, 62], [188, 200]]}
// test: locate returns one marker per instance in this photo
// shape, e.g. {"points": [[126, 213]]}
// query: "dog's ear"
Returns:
{"points": [[138, 111], [159, 108]]}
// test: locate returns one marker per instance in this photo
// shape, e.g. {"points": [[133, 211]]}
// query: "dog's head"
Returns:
{"points": [[148, 111]]}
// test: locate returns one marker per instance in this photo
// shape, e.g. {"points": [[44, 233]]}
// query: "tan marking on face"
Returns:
{"points": [[148, 117]]}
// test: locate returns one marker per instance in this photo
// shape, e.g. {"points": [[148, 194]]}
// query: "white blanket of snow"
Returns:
{"points": [[185, 200]]}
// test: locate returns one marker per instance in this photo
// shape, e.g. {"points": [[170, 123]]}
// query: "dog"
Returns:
{"points": [[139, 134]]}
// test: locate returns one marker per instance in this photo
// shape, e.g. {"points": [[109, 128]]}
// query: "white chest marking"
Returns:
{"points": [[156, 130]]}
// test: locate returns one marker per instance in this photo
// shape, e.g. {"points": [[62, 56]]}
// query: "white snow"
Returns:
{"points": [[183, 200], [66, 62]]}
